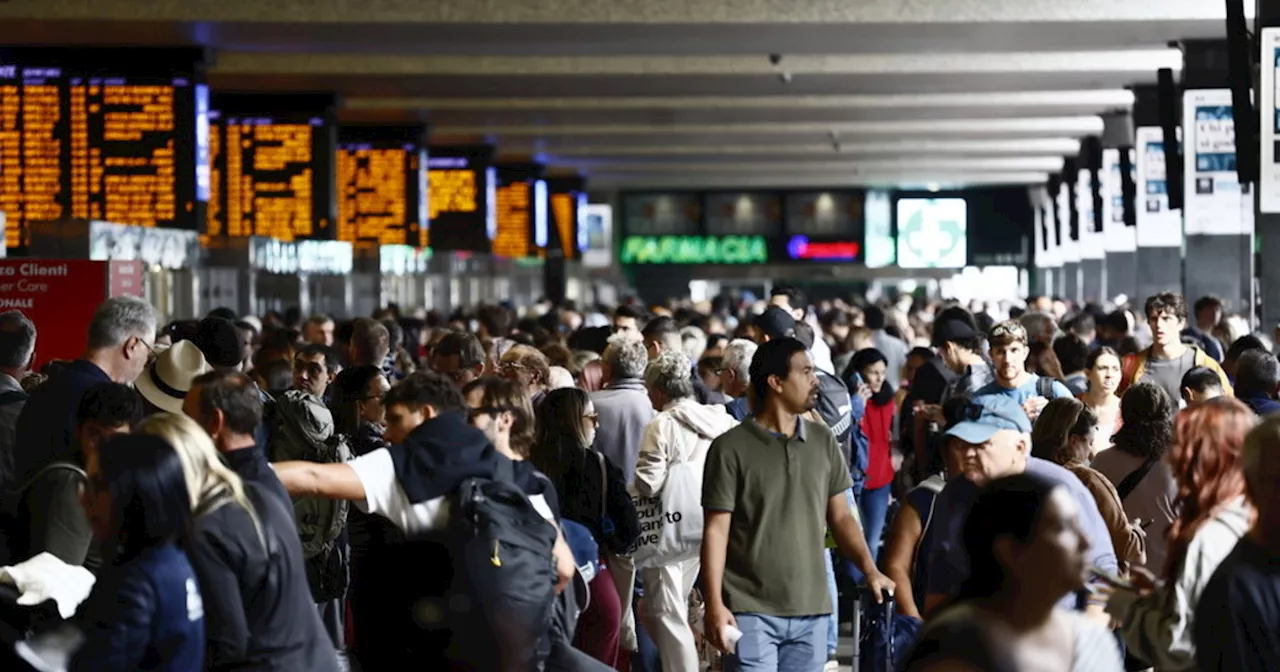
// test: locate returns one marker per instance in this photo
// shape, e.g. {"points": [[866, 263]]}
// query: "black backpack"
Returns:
{"points": [[502, 595]]}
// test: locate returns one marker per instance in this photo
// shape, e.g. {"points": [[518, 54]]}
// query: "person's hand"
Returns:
{"points": [[864, 391], [930, 412], [1144, 582], [1033, 406], [879, 584], [717, 617], [565, 565]]}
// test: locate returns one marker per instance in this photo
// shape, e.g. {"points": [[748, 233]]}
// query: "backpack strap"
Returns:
{"points": [[1126, 487], [12, 397], [1044, 387], [50, 468]]}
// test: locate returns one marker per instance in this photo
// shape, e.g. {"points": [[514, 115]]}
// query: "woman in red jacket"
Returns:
{"points": [[877, 425]]}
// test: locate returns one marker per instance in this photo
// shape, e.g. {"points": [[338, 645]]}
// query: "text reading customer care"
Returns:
{"points": [[35, 269]]}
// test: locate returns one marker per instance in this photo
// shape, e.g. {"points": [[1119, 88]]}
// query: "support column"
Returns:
{"points": [[1069, 221], [1268, 223], [1218, 214], [1159, 228]]}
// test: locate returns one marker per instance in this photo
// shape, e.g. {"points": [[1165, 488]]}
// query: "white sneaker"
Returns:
{"points": [[831, 666]]}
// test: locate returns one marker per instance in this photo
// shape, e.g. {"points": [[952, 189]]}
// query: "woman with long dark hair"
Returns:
{"points": [[1135, 465], [877, 425], [1063, 434], [592, 492], [145, 611], [1157, 618], [1026, 551], [1102, 368], [356, 404]]}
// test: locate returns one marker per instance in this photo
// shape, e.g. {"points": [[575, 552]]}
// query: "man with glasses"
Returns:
{"points": [[121, 339], [529, 368], [459, 357]]}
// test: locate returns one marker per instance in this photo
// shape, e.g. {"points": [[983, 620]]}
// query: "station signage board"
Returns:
{"points": [[695, 250]]}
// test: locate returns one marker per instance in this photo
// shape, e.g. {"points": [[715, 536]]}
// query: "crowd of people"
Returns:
{"points": [[682, 487]]}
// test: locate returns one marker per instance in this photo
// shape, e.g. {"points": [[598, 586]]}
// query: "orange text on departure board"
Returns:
{"points": [[11, 201], [563, 210], [39, 184], [269, 180], [374, 199], [451, 191], [215, 213], [514, 202]]}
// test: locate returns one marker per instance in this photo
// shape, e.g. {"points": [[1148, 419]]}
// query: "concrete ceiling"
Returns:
{"points": [[679, 93]]}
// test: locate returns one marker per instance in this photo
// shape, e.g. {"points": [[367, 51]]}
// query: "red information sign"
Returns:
{"points": [[60, 295]]}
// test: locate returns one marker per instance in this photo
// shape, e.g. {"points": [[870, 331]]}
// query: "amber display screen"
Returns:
{"points": [[380, 195], [83, 135], [271, 170], [462, 201]]}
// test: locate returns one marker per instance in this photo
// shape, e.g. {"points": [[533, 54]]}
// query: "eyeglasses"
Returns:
{"points": [[511, 366], [593, 418]]}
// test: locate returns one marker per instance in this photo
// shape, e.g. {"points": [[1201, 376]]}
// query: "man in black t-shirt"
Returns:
{"points": [[1237, 623]]}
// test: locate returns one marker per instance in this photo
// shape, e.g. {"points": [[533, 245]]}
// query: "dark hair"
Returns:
{"points": [[1244, 344], [219, 341], [1147, 413], [395, 334], [867, 357], [504, 394], [495, 319], [771, 359], [795, 298], [923, 353], [1201, 379], [235, 395], [465, 346], [627, 312], [224, 313], [17, 340], [325, 352], [1257, 375], [1166, 302], [150, 504], [1206, 302], [1006, 507], [714, 340], [426, 388], [874, 317], [834, 318], [1117, 321], [111, 404], [371, 340], [1083, 324], [559, 441], [1092, 360], [349, 388], [804, 333], [1061, 419], [659, 327], [277, 374], [1072, 353]]}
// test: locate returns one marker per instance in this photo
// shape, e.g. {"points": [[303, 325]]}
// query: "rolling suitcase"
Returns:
{"points": [[872, 633]]}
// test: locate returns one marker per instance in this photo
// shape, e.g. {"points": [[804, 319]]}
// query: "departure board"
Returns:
{"points": [[112, 135], [274, 160], [380, 171], [568, 199], [520, 198], [462, 198]]}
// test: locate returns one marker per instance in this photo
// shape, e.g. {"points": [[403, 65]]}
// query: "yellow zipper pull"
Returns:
{"points": [[497, 561]]}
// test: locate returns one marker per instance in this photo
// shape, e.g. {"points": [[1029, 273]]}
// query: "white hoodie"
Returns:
{"points": [[682, 432]]}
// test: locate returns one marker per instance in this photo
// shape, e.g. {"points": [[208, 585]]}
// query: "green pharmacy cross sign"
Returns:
{"points": [[695, 250], [933, 236]]}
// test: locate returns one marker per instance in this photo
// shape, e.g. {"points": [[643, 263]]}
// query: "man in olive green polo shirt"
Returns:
{"points": [[770, 489]]}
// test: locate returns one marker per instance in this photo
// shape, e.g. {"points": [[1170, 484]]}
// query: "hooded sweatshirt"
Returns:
{"points": [[682, 432]]}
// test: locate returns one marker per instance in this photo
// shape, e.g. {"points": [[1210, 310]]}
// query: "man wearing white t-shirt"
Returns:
{"points": [[433, 450]]}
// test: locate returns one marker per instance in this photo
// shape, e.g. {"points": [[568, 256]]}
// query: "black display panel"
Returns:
{"points": [[825, 214], [744, 213], [116, 135], [462, 201], [1000, 223], [272, 160], [382, 176], [661, 214]]}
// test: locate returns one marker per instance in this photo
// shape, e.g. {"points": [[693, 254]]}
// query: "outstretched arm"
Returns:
{"points": [[310, 479]]}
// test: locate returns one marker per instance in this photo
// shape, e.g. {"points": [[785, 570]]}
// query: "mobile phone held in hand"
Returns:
{"points": [[1111, 578]]}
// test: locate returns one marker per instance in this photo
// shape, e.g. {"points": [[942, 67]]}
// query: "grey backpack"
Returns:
{"points": [[304, 431]]}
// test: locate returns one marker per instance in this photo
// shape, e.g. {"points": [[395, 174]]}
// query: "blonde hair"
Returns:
{"points": [[211, 483]]}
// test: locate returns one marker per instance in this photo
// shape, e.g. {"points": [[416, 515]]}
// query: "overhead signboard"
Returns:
{"points": [[744, 213], [932, 232], [1158, 225], [662, 214], [567, 232], [1215, 202], [695, 250], [520, 211], [272, 166], [112, 135], [1269, 108], [462, 200], [825, 213], [380, 173]]}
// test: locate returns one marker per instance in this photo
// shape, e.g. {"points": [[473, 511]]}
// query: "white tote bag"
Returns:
{"points": [[671, 521]]}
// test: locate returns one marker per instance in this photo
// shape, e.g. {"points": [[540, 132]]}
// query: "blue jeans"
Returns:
{"points": [[833, 621], [873, 506], [777, 644]]}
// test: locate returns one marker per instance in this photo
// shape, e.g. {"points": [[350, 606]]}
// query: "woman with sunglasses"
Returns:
{"points": [[592, 492]]}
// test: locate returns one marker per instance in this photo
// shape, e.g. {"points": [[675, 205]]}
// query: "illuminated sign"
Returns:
{"points": [[695, 250], [514, 202], [100, 135], [932, 232], [462, 199], [801, 248], [379, 193]]}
